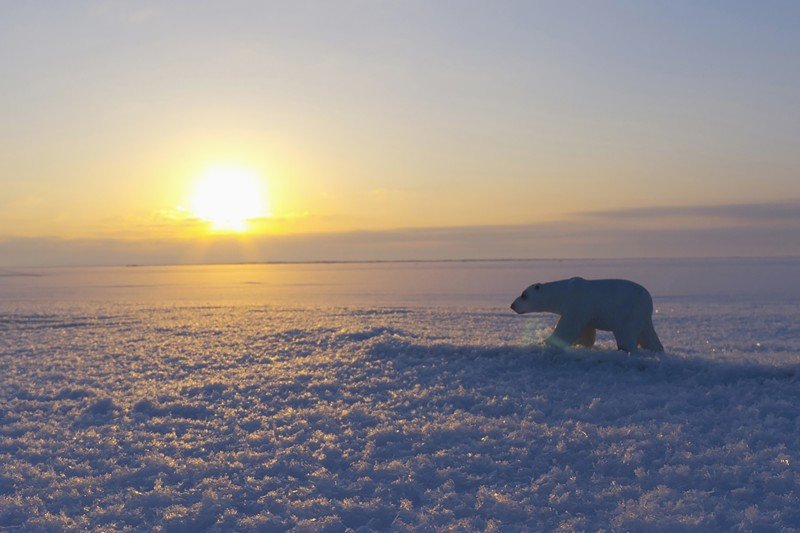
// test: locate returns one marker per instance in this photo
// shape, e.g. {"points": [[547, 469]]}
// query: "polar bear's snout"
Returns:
{"points": [[522, 305], [532, 299]]}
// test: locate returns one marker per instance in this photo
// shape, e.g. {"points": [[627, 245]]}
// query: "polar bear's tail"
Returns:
{"points": [[649, 338]]}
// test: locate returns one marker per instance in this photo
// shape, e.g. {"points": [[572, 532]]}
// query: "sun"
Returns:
{"points": [[228, 197]]}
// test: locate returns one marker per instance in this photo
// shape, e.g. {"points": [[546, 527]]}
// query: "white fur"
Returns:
{"points": [[623, 307]]}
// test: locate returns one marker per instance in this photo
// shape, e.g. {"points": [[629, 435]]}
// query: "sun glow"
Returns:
{"points": [[228, 197]]}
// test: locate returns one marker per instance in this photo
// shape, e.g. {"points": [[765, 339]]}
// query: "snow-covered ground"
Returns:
{"points": [[179, 405]]}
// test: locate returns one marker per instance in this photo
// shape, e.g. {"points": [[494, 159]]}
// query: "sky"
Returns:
{"points": [[397, 130]]}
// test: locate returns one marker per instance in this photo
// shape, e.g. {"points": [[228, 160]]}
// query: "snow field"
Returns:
{"points": [[267, 418]]}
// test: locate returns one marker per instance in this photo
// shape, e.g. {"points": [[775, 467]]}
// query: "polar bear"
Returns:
{"points": [[617, 305]]}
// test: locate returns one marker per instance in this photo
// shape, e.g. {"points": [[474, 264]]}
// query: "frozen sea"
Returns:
{"points": [[394, 396]]}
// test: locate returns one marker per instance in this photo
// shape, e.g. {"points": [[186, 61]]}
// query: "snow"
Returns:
{"points": [[120, 411]]}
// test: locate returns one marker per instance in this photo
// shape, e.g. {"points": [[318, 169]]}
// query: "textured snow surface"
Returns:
{"points": [[262, 418], [119, 411]]}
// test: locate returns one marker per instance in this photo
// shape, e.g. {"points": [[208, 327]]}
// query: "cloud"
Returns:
{"points": [[755, 212], [572, 239], [767, 229]]}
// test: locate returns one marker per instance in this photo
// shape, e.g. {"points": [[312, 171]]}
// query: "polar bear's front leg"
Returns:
{"points": [[567, 332], [588, 336]]}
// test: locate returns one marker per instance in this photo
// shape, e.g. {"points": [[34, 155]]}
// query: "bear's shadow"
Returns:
{"points": [[540, 358]]}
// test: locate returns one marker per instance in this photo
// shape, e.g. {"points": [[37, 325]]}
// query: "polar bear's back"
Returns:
{"points": [[610, 300], [617, 286]]}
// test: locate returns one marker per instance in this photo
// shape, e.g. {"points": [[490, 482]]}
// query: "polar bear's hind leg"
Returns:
{"points": [[625, 341], [649, 338], [627, 334]]}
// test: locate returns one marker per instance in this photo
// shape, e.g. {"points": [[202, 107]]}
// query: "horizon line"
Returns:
{"points": [[402, 261]]}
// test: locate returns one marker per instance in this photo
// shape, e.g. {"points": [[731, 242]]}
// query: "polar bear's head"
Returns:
{"points": [[531, 300]]}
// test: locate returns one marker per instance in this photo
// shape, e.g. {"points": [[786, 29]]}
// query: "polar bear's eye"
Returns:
{"points": [[537, 287], [524, 295]]}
